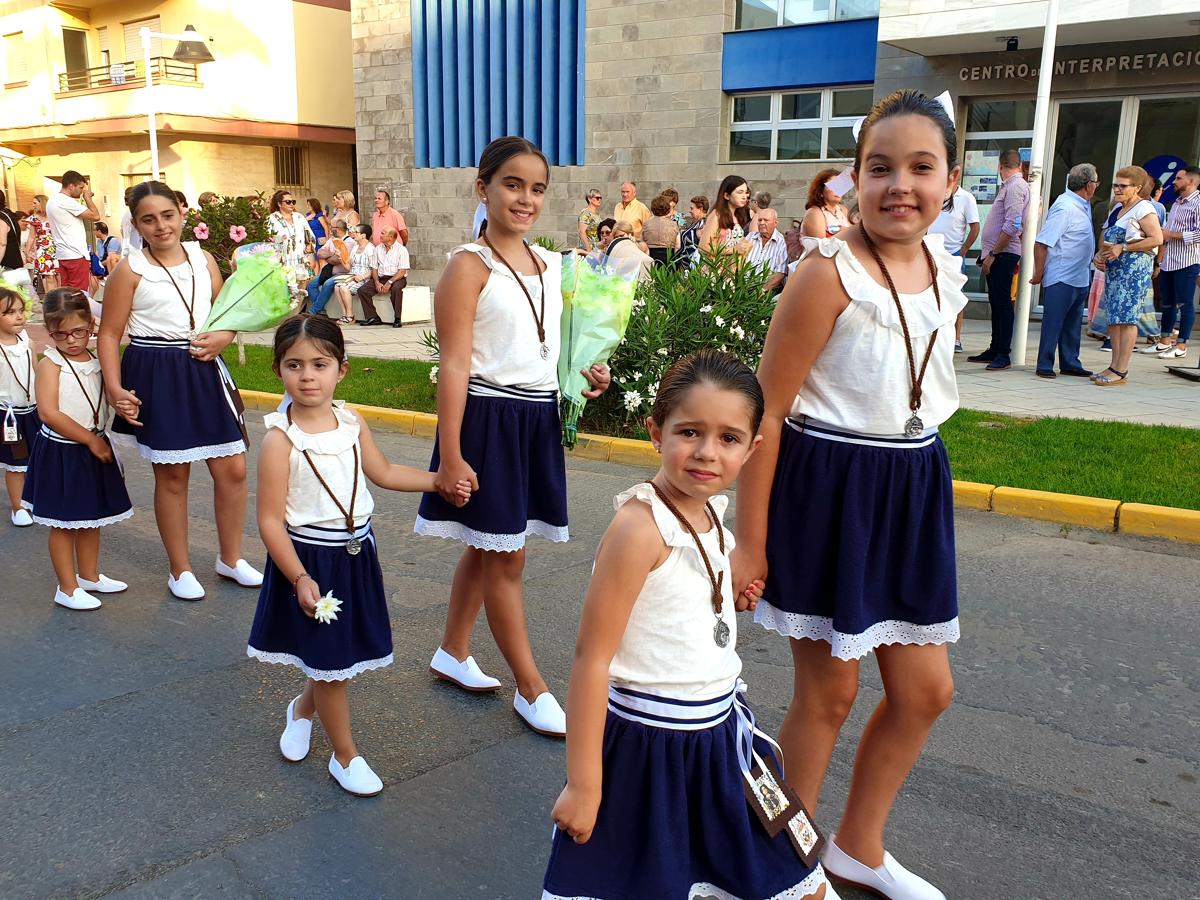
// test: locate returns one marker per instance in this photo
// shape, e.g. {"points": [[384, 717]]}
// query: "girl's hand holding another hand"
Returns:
{"points": [[747, 600], [748, 566], [451, 476]]}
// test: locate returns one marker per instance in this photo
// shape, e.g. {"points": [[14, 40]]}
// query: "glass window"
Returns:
{"points": [[801, 106], [756, 108], [857, 9], [749, 145], [1167, 126], [757, 14], [856, 102], [1000, 115], [841, 144], [801, 12], [799, 143]]}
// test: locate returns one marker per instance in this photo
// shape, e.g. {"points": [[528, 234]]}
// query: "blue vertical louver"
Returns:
{"points": [[485, 68]]}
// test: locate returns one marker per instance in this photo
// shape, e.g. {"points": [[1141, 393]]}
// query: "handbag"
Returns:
{"points": [[98, 262]]}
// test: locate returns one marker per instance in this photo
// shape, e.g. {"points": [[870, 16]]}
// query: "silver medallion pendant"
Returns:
{"points": [[721, 633], [545, 351], [353, 547], [914, 427]]}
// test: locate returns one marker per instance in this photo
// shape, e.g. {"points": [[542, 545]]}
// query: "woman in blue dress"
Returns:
{"points": [[1126, 256]]}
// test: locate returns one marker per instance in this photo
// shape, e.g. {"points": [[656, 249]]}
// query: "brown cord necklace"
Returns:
{"points": [[538, 319], [190, 307], [353, 546]]}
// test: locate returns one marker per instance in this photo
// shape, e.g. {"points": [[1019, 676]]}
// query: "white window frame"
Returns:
{"points": [[779, 15], [777, 123]]}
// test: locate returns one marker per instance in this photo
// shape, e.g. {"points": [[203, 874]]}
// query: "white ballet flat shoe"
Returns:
{"points": [[466, 674], [78, 600], [185, 587], [890, 880], [21, 518], [543, 715], [241, 572], [296, 739], [357, 778], [102, 585]]}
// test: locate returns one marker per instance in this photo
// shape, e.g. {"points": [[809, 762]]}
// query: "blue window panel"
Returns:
{"points": [[485, 68], [796, 56]]}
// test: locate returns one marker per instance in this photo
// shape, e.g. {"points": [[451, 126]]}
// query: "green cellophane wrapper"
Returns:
{"points": [[597, 301], [256, 297]]}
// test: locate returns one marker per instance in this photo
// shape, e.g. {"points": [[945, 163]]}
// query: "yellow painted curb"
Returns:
{"points": [[1161, 521], [973, 495], [1089, 512]]}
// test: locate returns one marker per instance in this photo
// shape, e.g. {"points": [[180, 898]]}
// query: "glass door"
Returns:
{"points": [[1085, 131]]}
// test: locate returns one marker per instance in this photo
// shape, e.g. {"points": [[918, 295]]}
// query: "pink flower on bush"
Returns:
{"points": [[237, 233], [200, 231]]}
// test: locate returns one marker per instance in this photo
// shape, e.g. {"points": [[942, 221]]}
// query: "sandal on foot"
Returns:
{"points": [[1109, 380]]}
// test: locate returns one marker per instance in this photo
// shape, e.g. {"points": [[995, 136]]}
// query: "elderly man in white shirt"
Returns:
{"points": [[388, 276], [769, 249]]}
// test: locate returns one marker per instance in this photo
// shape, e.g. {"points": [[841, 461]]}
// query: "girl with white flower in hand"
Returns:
{"points": [[322, 607]]}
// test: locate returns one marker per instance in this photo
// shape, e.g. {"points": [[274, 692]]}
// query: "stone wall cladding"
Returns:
{"points": [[654, 114]]}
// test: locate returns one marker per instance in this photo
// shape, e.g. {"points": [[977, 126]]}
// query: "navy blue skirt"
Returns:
{"points": [[29, 426], [512, 438], [674, 822], [860, 541], [67, 486], [187, 413], [358, 640]]}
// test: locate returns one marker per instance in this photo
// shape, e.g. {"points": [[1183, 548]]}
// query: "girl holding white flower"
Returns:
{"points": [[322, 607]]}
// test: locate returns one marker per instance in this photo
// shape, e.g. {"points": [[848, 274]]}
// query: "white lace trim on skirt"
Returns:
{"points": [[853, 646], [80, 523], [5, 467], [289, 659], [192, 454], [805, 888], [483, 540]]}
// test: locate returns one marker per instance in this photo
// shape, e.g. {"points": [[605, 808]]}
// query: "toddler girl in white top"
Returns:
{"points": [[18, 409], [662, 745]]}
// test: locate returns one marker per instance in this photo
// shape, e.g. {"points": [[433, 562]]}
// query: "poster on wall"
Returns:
{"points": [[982, 187], [981, 162]]}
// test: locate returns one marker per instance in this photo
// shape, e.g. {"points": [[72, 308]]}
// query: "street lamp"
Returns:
{"points": [[191, 49]]}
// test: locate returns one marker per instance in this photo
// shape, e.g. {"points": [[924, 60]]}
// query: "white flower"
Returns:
{"points": [[433, 373], [652, 389], [706, 308], [738, 332], [633, 400], [638, 302], [720, 322], [661, 351], [637, 376], [327, 608]]}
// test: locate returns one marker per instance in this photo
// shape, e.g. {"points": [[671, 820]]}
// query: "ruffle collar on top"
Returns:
{"points": [[920, 311], [673, 533], [484, 252], [143, 265], [20, 348], [90, 367], [331, 443]]}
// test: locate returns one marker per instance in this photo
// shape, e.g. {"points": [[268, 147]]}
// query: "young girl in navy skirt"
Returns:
{"points": [[18, 408], [658, 754], [74, 483], [846, 512], [314, 515], [171, 388], [497, 310]]}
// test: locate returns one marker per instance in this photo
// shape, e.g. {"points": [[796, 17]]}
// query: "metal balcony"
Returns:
{"points": [[127, 75]]}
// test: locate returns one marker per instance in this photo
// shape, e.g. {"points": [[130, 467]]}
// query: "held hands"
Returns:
{"points": [[208, 346], [127, 405], [307, 595], [455, 480], [599, 377], [575, 812], [747, 600], [748, 567], [100, 448]]}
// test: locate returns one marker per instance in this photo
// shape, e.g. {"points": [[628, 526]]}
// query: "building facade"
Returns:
{"points": [[273, 109]]}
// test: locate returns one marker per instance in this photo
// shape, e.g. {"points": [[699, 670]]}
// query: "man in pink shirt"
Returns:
{"points": [[387, 216]]}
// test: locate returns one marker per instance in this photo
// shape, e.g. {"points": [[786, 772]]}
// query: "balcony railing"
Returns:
{"points": [[130, 74]]}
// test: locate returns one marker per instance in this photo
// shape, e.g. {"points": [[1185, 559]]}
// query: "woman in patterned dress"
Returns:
{"points": [[45, 259]]}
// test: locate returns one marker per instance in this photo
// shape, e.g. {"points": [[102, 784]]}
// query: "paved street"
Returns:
{"points": [[139, 759]]}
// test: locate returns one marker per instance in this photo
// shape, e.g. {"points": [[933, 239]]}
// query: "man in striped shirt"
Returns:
{"points": [[1180, 263], [769, 250]]}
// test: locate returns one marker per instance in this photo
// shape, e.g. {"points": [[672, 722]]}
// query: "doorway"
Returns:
{"points": [[1085, 131]]}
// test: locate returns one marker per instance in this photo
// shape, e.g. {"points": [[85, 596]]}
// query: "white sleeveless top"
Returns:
{"points": [[157, 309], [72, 401], [860, 380], [333, 454], [21, 362], [505, 349], [668, 645]]}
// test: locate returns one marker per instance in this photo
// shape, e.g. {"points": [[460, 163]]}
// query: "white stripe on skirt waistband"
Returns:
{"points": [[135, 341], [669, 712], [481, 388], [825, 432], [322, 536]]}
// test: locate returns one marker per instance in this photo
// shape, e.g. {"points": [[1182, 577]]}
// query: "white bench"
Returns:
{"points": [[418, 306]]}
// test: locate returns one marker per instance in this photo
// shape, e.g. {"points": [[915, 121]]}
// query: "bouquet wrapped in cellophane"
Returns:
{"points": [[597, 301], [255, 297]]}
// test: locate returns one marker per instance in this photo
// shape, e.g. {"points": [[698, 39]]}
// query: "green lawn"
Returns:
{"points": [[1120, 461]]}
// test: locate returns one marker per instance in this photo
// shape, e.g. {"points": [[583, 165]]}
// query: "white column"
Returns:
{"points": [[1037, 156], [145, 33]]}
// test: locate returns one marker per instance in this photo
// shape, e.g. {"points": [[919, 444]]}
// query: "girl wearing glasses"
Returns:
{"points": [[74, 483]]}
